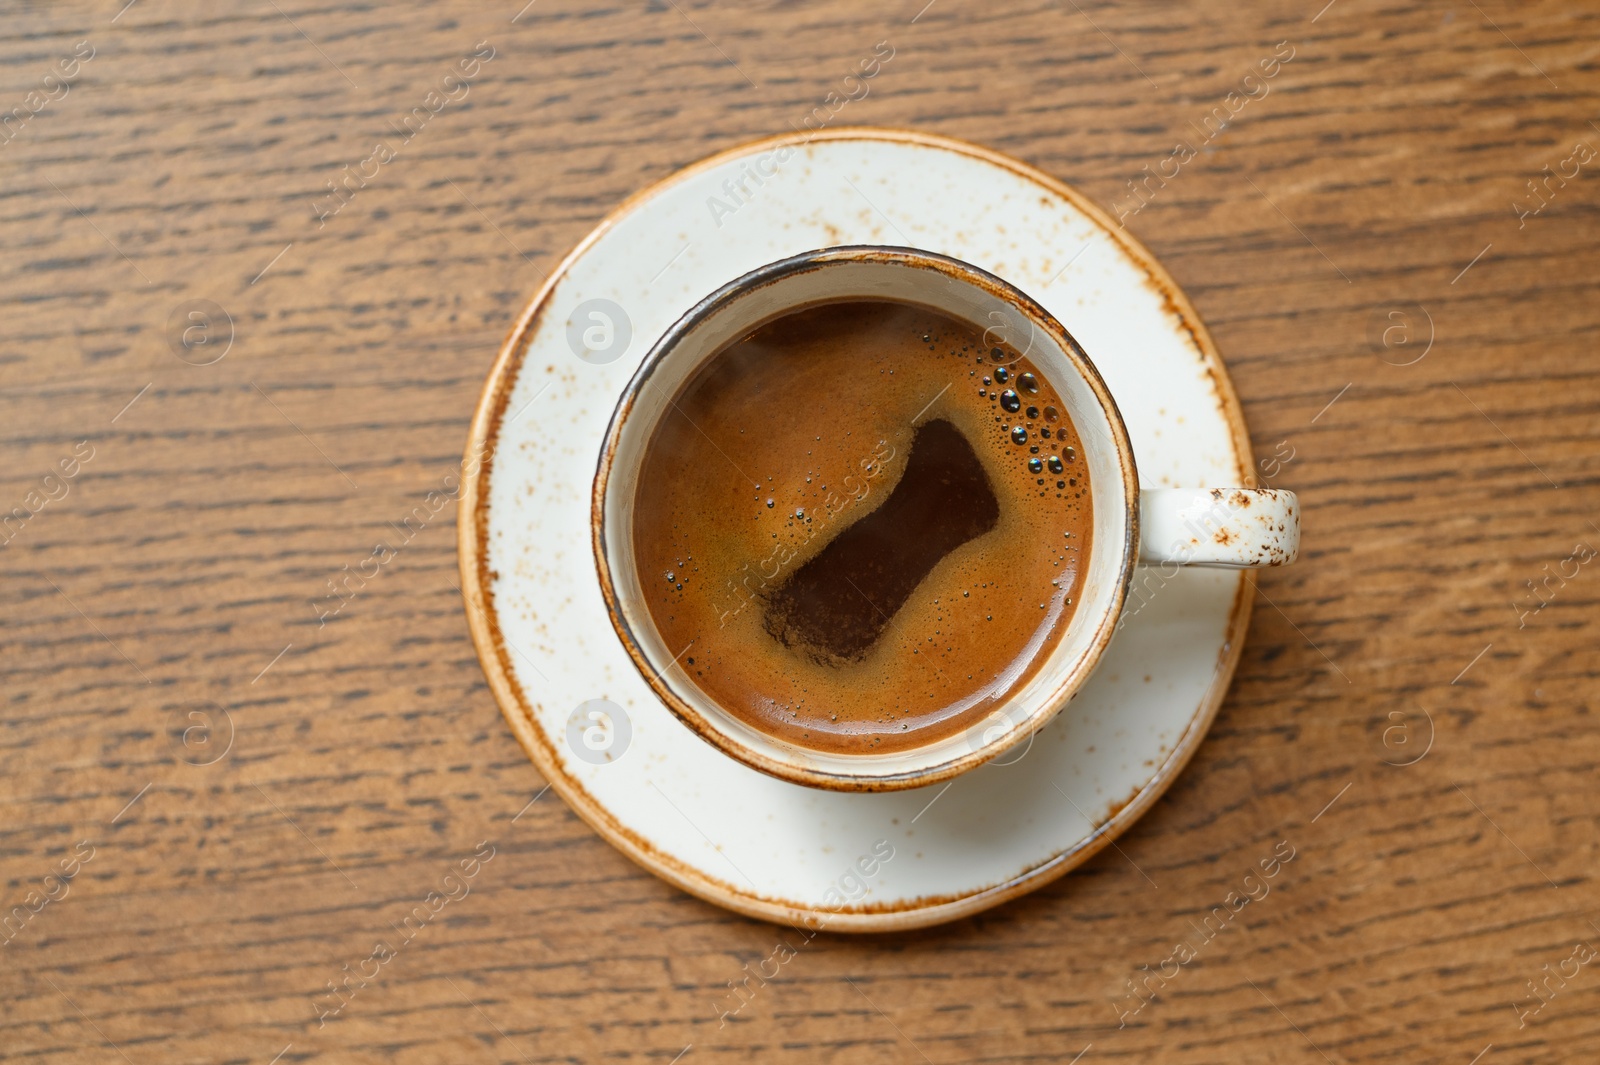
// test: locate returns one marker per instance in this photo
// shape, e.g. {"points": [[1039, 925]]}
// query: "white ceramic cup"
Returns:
{"points": [[1233, 527]]}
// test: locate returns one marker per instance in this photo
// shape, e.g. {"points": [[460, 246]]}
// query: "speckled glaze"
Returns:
{"points": [[1238, 528], [674, 803]]}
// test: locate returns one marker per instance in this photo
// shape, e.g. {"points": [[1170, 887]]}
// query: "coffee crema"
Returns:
{"points": [[861, 527]]}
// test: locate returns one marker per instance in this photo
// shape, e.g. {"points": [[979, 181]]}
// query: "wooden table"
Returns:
{"points": [[249, 793]]}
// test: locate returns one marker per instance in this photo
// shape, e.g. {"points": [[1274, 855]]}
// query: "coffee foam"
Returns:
{"points": [[795, 433]]}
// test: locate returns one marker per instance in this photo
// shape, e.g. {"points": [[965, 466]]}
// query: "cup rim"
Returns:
{"points": [[1049, 704]]}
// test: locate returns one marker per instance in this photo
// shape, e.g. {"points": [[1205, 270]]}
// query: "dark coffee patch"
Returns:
{"points": [[836, 605]]}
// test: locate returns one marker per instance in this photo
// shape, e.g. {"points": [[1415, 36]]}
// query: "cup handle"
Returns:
{"points": [[1225, 528]]}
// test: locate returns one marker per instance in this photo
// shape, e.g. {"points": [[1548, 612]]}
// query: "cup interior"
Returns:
{"points": [[952, 288]]}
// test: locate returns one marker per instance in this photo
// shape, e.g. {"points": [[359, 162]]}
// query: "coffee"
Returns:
{"points": [[861, 527]]}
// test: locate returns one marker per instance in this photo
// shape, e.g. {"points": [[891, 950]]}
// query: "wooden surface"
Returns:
{"points": [[168, 601]]}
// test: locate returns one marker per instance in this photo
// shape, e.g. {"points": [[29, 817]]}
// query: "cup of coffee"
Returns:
{"points": [[866, 517]]}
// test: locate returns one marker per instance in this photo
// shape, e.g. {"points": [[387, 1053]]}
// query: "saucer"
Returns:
{"points": [[852, 862]]}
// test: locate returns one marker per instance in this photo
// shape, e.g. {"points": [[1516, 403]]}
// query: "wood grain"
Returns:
{"points": [[172, 589]]}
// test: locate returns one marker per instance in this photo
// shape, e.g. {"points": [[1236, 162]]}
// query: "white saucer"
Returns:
{"points": [[669, 800]]}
